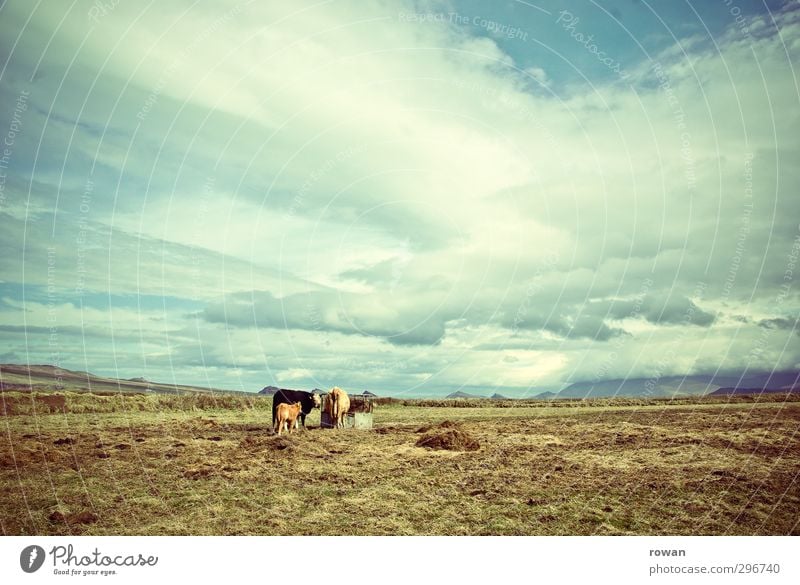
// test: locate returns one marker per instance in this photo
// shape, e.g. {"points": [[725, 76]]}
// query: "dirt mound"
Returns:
{"points": [[445, 424], [268, 442], [281, 444], [401, 428], [54, 402], [450, 440], [201, 472], [85, 517], [39, 404]]}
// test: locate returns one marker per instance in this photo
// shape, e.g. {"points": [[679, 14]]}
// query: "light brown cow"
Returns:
{"points": [[339, 404], [286, 415]]}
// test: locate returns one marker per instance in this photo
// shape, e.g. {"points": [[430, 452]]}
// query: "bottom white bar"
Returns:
{"points": [[419, 560]]}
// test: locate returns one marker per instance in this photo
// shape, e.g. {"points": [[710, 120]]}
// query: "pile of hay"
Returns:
{"points": [[447, 424], [453, 439]]}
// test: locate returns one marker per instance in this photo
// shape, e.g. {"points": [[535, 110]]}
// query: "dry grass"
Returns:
{"points": [[38, 403], [711, 468]]}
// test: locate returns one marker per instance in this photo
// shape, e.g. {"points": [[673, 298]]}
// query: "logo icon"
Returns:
{"points": [[31, 558]]}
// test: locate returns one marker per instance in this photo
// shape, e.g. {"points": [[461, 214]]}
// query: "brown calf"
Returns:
{"points": [[286, 415]]}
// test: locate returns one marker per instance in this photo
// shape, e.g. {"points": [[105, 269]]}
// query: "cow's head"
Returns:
{"points": [[316, 399]]}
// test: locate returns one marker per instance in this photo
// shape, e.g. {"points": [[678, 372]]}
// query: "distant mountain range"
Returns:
{"points": [[739, 391], [271, 390], [668, 386], [48, 378], [495, 396], [463, 395], [45, 377]]}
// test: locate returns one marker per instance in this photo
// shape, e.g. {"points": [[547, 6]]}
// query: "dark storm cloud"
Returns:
{"points": [[785, 323], [657, 308]]}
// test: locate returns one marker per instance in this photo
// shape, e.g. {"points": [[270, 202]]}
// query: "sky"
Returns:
{"points": [[408, 197]]}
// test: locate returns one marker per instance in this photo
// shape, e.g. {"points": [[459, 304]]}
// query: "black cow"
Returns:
{"points": [[307, 402]]}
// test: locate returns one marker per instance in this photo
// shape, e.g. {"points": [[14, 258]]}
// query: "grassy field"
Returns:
{"points": [[216, 468]]}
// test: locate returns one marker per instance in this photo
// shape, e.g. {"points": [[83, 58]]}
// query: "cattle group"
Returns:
{"points": [[290, 408]]}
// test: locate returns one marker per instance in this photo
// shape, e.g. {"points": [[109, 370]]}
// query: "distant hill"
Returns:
{"points": [[497, 396], [668, 386], [44, 377], [463, 395], [545, 396], [740, 391], [271, 390]]}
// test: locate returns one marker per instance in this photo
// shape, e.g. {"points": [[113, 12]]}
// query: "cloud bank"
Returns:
{"points": [[391, 197]]}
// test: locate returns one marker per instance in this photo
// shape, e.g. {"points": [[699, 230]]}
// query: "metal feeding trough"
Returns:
{"points": [[358, 417]]}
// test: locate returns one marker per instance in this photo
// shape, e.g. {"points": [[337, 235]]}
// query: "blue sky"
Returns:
{"points": [[407, 197]]}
